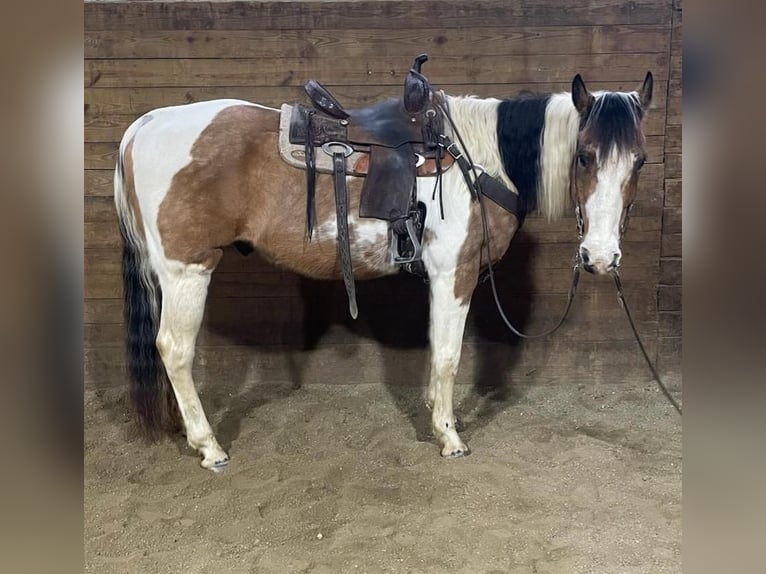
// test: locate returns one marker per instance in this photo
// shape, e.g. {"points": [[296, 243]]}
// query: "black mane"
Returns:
{"points": [[520, 124]]}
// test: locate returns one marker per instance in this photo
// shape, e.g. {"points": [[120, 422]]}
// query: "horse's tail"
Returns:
{"points": [[150, 389]]}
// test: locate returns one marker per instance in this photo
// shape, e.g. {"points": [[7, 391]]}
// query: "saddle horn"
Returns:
{"points": [[419, 61], [417, 89]]}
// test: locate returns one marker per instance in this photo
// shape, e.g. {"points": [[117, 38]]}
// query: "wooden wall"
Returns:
{"points": [[669, 290], [265, 325]]}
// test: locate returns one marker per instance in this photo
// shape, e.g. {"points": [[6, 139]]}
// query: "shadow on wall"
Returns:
{"points": [[306, 315]]}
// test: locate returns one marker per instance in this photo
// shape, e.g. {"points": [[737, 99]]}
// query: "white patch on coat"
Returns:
{"points": [[366, 234]]}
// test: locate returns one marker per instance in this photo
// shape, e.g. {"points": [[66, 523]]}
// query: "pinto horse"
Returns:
{"points": [[195, 178]]}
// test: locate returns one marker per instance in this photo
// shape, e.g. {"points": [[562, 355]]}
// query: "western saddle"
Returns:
{"points": [[394, 142], [396, 137]]}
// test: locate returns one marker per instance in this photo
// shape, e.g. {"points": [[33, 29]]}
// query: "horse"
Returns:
{"points": [[194, 178]]}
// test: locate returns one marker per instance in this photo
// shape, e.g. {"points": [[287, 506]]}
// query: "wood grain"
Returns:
{"points": [[375, 69], [394, 43], [368, 14]]}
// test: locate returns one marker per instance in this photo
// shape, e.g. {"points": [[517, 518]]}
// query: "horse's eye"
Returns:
{"points": [[640, 162], [584, 159]]}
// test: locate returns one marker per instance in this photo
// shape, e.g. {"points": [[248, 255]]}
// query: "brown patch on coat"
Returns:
{"points": [[237, 188], [502, 226]]}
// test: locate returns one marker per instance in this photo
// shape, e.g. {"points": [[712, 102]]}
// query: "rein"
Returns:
{"points": [[468, 168]]}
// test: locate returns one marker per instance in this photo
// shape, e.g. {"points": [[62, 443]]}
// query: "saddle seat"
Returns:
{"points": [[398, 134]]}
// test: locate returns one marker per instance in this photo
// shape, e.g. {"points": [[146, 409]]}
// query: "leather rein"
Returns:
{"points": [[473, 179]]}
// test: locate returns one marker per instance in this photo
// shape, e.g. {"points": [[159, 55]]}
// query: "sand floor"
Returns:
{"points": [[347, 478]]}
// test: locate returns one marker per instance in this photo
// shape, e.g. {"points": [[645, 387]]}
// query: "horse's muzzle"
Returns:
{"points": [[598, 266]]}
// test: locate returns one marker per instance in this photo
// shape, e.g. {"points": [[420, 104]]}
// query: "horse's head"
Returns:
{"points": [[610, 153]]}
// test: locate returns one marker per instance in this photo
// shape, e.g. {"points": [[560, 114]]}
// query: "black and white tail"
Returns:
{"points": [[150, 389]]}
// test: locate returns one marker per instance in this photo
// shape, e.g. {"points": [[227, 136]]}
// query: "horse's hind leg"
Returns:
{"points": [[184, 290], [448, 315]]}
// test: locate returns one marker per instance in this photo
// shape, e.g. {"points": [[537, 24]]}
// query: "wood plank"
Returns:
{"points": [[674, 102], [669, 355], [669, 297], [367, 14], [673, 165], [98, 182], [110, 128], [134, 102], [392, 42], [513, 276], [99, 208], [673, 137], [105, 107], [100, 155], [520, 257], [259, 333], [670, 324], [611, 361], [671, 245], [673, 192], [671, 220], [374, 69], [671, 271]]}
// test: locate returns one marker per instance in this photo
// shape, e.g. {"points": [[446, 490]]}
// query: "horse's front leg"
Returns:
{"points": [[448, 315]]}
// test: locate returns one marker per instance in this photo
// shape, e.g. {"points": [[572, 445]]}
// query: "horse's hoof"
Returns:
{"points": [[456, 452], [217, 466]]}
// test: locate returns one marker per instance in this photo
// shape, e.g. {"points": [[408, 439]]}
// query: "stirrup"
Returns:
{"points": [[417, 248]]}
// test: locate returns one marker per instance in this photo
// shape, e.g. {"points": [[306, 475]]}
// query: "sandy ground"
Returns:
{"points": [[330, 479]]}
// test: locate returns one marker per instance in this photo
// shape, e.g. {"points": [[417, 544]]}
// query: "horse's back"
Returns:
{"points": [[181, 124]]}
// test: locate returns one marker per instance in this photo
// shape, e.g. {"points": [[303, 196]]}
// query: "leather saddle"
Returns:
{"points": [[398, 139]]}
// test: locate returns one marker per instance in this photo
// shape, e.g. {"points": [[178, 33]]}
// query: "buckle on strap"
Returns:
{"points": [[456, 154], [346, 149]]}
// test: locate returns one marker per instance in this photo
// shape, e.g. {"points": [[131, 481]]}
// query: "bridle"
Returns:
{"points": [[474, 183]]}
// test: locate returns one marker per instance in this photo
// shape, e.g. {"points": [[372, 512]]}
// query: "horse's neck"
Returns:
{"points": [[475, 119]]}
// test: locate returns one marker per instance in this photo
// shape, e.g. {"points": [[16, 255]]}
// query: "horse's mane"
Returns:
{"points": [[615, 121]]}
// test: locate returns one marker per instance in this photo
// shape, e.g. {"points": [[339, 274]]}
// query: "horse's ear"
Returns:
{"points": [[581, 97], [645, 94]]}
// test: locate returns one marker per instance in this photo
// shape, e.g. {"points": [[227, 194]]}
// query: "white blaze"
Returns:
{"points": [[604, 210]]}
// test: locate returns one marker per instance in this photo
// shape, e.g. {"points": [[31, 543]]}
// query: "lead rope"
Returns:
{"points": [[655, 374]]}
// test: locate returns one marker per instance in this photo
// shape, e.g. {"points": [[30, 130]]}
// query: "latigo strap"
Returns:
{"points": [[341, 216]]}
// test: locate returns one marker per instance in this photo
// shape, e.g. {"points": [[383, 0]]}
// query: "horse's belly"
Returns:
{"points": [[319, 258]]}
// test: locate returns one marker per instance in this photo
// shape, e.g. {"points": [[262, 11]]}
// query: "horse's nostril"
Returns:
{"points": [[585, 254]]}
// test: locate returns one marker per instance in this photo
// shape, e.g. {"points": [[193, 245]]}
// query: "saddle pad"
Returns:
{"points": [[295, 154]]}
